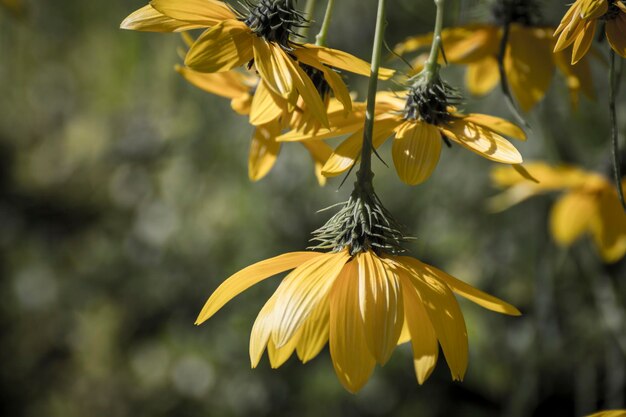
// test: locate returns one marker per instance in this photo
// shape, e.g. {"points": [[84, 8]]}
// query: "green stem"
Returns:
{"points": [[365, 174], [613, 87], [432, 65], [308, 14], [320, 40]]}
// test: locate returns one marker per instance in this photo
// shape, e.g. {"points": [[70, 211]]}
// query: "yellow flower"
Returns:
{"points": [[363, 306], [260, 40], [590, 204], [244, 91], [578, 26], [528, 61], [609, 413], [419, 118]]}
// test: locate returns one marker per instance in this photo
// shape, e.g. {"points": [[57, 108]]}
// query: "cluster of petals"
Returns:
{"points": [[590, 204], [528, 61], [363, 306]]}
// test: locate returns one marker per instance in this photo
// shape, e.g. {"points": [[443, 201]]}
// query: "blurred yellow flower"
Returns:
{"points": [[363, 305], [259, 39], [14, 6], [420, 118], [609, 413], [578, 26], [590, 204], [528, 61], [244, 90]]}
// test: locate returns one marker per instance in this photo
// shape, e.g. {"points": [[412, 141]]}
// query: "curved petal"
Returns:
{"points": [[230, 85], [271, 68], [416, 150], [333, 79], [148, 19], [250, 276], [314, 333], [261, 330], [571, 216], [583, 41], [221, 48], [351, 358], [339, 59], [482, 141], [498, 125], [381, 306], [204, 12], [263, 151], [302, 291], [482, 76], [266, 106], [278, 356], [593, 9]]}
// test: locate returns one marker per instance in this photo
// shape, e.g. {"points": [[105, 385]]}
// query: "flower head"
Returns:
{"points": [[589, 204], [579, 25]]}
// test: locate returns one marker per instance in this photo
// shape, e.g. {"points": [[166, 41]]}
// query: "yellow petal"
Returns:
{"points": [[276, 75], [498, 125], [593, 9], [221, 48], [263, 150], [571, 216], [609, 227], [334, 81], [266, 106], [351, 358], [230, 85], [482, 141], [482, 76], [416, 150], [473, 294], [616, 33], [609, 413], [423, 336], [302, 291], [314, 333], [529, 65], [204, 12], [148, 19], [550, 177], [583, 41], [250, 276], [405, 335], [444, 313], [340, 124], [261, 330], [381, 306], [479, 42], [338, 59], [279, 356], [577, 77]]}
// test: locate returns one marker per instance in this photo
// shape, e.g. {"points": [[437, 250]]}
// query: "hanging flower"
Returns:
{"points": [[362, 298], [243, 90], [578, 26], [528, 61], [421, 119], [589, 204], [260, 38]]}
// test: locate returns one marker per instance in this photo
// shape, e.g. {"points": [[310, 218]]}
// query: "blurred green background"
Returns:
{"points": [[124, 201]]}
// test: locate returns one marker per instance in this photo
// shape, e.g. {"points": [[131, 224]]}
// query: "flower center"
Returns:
{"points": [[274, 20], [524, 12], [431, 102]]}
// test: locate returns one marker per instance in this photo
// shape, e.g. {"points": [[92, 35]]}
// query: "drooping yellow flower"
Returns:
{"points": [[421, 119], [245, 89], [578, 26], [528, 61], [259, 39], [363, 306], [609, 413], [589, 205]]}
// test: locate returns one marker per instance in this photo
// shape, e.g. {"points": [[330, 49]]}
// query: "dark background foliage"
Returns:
{"points": [[124, 201]]}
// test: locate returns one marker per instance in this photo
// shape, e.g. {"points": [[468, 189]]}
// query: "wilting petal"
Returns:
{"points": [[230, 85], [266, 106], [529, 65], [204, 12], [498, 125], [339, 59], [423, 336], [221, 48], [416, 150], [148, 19], [381, 306], [444, 313], [482, 76], [616, 33], [302, 291], [249, 276], [263, 150], [348, 348], [483, 141], [571, 216], [314, 333]]}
